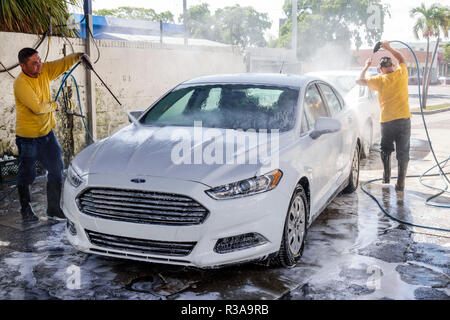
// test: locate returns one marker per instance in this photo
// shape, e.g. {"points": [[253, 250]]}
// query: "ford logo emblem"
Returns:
{"points": [[137, 180]]}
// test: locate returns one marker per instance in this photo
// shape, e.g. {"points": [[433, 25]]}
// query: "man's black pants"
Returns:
{"points": [[398, 131]]}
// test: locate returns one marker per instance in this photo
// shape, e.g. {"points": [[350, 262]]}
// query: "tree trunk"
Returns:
{"points": [[425, 71], [430, 72]]}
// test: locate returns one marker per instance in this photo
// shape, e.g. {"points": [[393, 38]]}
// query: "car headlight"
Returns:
{"points": [[246, 187], [73, 177]]}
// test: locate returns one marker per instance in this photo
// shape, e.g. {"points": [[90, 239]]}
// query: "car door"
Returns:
{"points": [[374, 109], [343, 139], [318, 155]]}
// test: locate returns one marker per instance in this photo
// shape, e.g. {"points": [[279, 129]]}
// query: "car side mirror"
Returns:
{"points": [[325, 125], [136, 114]]}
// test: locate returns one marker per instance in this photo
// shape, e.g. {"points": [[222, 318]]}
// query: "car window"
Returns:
{"points": [[341, 100], [331, 98], [212, 101], [314, 106], [178, 107]]}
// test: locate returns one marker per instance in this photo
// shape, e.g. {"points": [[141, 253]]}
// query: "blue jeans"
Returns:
{"points": [[47, 150]]}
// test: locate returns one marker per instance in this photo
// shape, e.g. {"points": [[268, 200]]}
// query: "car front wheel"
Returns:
{"points": [[294, 232]]}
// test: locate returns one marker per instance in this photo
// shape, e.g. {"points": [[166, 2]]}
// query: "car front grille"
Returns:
{"points": [[140, 245], [141, 206]]}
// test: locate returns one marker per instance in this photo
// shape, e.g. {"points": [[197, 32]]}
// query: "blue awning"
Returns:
{"points": [[105, 27]]}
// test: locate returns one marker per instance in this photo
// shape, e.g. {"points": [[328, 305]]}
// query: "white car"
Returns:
{"points": [[220, 170], [367, 109], [361, 99]]}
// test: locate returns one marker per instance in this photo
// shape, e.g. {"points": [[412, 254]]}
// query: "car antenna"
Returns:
{"points": [[281, 69]]}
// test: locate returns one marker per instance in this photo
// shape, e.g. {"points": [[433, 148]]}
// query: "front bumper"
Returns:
{"points": [[263, 214]]}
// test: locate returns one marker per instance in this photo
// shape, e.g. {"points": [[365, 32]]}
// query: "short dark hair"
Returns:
{"points": [[25, 53], [385, 62]]}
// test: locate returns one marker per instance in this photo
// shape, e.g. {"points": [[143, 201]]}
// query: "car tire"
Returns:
{"points": [[294, 231], [353, 178]]}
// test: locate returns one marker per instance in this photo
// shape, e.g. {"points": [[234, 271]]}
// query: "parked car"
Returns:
{"points": [[361, 99], [149, 193]]}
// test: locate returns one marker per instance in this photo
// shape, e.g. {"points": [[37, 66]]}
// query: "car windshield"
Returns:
{"points": [[226, 106]]}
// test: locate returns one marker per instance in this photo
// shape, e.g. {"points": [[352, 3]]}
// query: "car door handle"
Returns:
{"points": [[350, 118]]}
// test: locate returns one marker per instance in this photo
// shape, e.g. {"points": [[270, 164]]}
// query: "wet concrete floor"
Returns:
{"points": [[353, 251]]}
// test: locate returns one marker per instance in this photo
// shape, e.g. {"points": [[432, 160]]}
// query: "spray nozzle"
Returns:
{"points": [[377, 46], [84, 58]]}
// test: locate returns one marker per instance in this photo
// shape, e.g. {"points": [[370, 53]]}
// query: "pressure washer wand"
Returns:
{"points": [[88, 65], [376, 48]]}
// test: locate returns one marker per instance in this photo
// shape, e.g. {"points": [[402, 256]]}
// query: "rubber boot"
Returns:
{"points": [[53, 199], [28, 215], [401, 176], [387, 167]]}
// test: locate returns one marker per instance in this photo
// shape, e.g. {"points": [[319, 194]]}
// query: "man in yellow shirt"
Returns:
{"points": [[34, 123], [392, 87]]}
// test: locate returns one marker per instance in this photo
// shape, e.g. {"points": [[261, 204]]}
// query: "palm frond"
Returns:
{"points": [[431, 21], [419, 25], [33, 16]]}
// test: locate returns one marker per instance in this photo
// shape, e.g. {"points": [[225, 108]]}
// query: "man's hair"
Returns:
{"points": [[25, 53], [385, 62]]}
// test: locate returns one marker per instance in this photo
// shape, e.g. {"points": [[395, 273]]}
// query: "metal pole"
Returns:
{"points": [[294, 28], [160, 32], [90, 84], [185, 23]]}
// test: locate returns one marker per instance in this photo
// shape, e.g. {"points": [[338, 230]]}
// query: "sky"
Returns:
{"points": [[398, 26]]}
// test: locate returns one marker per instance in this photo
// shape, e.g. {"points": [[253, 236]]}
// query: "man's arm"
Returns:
{"points": [[362, 78], [58, 67], [397, 55]]}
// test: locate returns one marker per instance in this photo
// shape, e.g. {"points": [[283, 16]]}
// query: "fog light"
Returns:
{"points": [[239, 242], [71, 227]]}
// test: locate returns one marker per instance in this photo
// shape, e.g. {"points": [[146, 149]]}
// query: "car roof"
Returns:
{"points": [[275, 79], [335, 73]]}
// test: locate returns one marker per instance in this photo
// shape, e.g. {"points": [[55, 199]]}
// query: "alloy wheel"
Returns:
{"points": [[296, 225]]}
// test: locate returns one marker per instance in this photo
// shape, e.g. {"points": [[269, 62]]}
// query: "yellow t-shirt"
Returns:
{"points": [[392, 93], [34, 107]]}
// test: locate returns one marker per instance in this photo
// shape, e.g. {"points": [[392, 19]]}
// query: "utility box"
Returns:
{"points": [[272, 60]]}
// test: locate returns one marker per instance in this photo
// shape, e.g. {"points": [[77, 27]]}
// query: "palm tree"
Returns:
{"points": [[33, 16], [430, 22]]}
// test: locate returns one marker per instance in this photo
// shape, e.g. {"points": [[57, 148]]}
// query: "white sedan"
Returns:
{"points": [[220, 170]]}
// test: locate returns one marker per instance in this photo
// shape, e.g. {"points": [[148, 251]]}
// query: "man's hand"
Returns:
{"points": [[57, 106], [386, 45], [397, 55], [84, 58], [368, 63]]}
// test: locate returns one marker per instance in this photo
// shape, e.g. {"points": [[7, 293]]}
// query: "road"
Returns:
{"points": [[437, 94], [353, 251]]}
